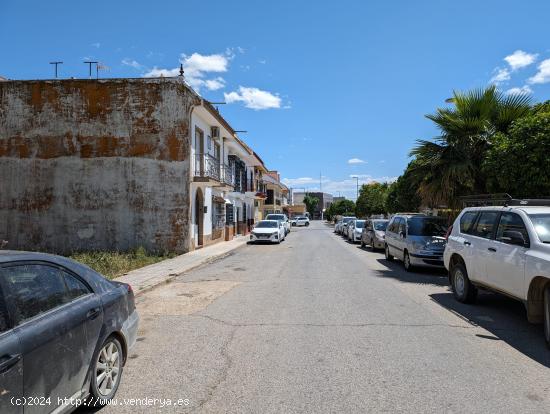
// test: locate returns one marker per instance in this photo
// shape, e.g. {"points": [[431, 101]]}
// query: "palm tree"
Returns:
{"points": [[450, 165]]}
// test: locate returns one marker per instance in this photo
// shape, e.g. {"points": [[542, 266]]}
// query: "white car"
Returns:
{"points": [[271, 231], [280, 217], [355, 228], [302, 221], [504, 249]]}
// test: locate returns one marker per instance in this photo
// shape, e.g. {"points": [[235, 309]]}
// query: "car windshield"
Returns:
{"points": [[380, 225], [348, 219], [275, 217], [541, 222], [267, 225], [359, 224], [427, 226]]}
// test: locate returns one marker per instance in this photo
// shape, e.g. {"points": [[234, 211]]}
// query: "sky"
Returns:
{"points": [[328, 91]]}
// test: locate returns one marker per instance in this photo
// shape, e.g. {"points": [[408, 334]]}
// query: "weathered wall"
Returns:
{"points": [[88, 164]]}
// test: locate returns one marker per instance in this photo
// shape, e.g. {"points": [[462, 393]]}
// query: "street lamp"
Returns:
{"points": [[357, 181]]}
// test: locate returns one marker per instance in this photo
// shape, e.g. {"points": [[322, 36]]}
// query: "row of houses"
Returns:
{"points": [[115, 164]]}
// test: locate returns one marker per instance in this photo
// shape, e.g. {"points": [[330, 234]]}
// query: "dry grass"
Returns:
{"points": [[115, 264]]}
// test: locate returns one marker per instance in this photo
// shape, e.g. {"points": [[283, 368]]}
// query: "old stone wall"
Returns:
{"points": [[92, 165]]}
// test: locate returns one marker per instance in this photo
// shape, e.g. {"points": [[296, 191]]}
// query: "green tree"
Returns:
{"points": [[518, 161], [403, 193], [339, 207], [451, 165], [372, 199], [310, 202]]}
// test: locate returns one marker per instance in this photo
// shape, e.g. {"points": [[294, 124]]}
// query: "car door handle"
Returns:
{"points": [[466, 243], [92, 313], [492, 249], [8, 361]]}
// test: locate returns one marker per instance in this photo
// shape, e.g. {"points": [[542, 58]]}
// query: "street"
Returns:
{"points": [[317, 324]]}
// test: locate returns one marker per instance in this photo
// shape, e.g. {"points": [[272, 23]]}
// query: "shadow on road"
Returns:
{"points": [[505, 318], [424, 276]]}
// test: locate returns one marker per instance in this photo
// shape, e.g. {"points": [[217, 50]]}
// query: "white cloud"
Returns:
{"points": [[543, 74], [97, 45], [132, 63], [520, 59], [214, 84], [254, 98], [356, 161], [524, 90], [501, 75], [196, 67]]}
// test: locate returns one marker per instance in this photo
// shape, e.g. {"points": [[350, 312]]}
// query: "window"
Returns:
{"points": [[541, 222], [209, 142], [270, 197], [217, 151], [402, 226], [485, 226], [427, 226], [75, 288], [393, 225], [466, 222], [4, 318], [510, 225], [35, 289]]}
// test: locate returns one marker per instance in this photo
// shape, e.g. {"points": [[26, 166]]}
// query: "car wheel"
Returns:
{"points": [[372, 244], [307, 224], [547, 315], [389, 257], [106, 372], [463, 290], [407, 262], [362, 243]]}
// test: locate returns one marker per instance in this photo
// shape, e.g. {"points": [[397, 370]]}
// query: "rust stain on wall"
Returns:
{"points": [[89, 164]]}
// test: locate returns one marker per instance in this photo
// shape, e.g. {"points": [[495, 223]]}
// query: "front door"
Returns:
{"points": [[52, 333], [506, 262], [199, 151], [11, 364], [199, 216]]}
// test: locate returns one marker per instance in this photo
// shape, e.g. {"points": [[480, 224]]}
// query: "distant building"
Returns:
{"points": [[325, 200], [336, 199]]}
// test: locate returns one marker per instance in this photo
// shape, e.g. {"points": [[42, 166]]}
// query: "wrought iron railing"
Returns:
{"points": [[227, 175], [207, 166]]}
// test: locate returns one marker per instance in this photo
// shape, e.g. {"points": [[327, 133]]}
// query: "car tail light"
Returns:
{"points": [[448, 233]]}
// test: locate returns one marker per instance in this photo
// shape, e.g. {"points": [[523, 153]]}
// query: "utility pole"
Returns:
{"points": [[55, 64], [90, 63], [320, 183]]}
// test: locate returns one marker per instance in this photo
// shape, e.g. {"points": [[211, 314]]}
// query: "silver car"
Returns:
{"points": [[343, 229], [418, 240], [374, 233], [355, 228]]}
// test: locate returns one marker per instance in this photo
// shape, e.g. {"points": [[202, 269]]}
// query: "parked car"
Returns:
{"points": [[65, 332], [271, 231], [416, 239], [374, 233], [355, 227], [503, 249], [344, 226], [302, 221], [281, 217], [337, 225]]}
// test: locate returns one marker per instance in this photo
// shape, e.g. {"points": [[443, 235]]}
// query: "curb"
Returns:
{"points": [[141, 287]]}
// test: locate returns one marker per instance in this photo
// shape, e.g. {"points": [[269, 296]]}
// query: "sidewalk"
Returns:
{"points": [[150, 276]]}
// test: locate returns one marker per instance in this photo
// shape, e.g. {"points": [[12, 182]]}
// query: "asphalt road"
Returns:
{"points": [[320, 325]]}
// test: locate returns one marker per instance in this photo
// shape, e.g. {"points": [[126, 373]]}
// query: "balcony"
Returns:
{"points": [[207, 168], [227, 178]]}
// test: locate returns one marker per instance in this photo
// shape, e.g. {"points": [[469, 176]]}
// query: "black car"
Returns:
{"points": [[65, 332]]}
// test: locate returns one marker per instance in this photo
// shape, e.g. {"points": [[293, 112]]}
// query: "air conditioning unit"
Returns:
{"points": [[214, 132]]}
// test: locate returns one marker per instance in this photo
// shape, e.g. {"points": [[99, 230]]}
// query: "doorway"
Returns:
{"points": [[199, 217]]}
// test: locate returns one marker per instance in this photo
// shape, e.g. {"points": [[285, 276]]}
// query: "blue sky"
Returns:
{"points": [[316, 83]]}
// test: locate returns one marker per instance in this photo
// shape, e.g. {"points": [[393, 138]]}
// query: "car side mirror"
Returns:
{"points": [[514, 237]]}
